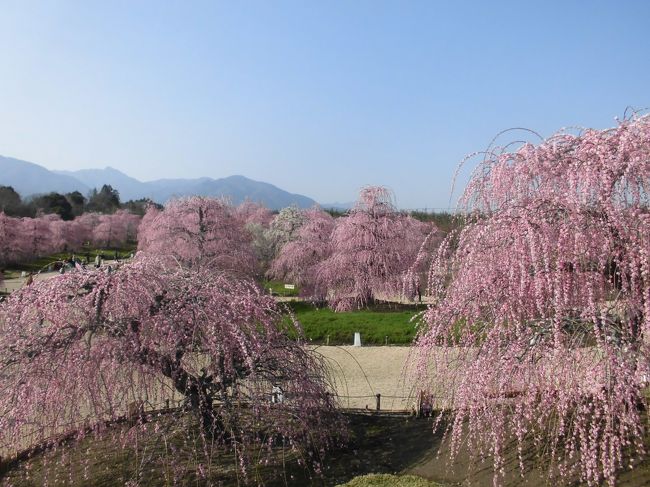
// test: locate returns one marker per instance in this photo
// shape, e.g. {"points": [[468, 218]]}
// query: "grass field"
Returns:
{"points": [[380, 325], [278, 289]]}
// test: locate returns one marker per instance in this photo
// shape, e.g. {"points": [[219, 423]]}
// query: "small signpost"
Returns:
{"points": [[290, 286]]}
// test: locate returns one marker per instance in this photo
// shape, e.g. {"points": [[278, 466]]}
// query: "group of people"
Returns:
{"points": [[74, 263]]}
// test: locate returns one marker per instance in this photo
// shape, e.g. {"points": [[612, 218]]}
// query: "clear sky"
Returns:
{"points": [[318, 98]]}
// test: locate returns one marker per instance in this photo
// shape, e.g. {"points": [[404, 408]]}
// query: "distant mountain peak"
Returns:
{"points": [[29, 178], [112, 169]]}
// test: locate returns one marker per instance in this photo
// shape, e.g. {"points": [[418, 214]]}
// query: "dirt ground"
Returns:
{"points": [[11, 285], [15, 283], [360, 373], [379, 443]]}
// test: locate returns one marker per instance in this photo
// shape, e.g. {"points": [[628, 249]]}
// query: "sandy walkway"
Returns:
{"points": [[15, 283], [11, 285], [359, 373]]}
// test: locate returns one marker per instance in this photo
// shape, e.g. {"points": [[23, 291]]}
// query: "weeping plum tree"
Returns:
{"points": [[541, 321], [115, 229], [370, 252], [298, 260], [9, 231], [199, 232], [254, 213], [145, 229], [420, 241], [35, 237], [78, 349]]}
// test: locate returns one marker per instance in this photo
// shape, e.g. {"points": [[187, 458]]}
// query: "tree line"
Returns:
{"points": [[25, 239], [69, 205]]}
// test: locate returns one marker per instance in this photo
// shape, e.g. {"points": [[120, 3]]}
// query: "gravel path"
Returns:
{"points": [[11, 285], [359, 373]]}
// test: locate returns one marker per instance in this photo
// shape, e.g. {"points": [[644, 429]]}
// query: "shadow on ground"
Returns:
{"points": [[386, 443]]}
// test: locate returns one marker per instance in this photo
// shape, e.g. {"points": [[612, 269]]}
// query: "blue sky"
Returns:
{"points": [[317, 98]]}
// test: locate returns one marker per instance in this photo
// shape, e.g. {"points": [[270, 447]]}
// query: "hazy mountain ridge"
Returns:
{"points": [[28, 179], [129, 188]]}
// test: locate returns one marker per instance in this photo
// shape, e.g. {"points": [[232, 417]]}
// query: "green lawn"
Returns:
{"points": [[279, 290], [379, 325]]}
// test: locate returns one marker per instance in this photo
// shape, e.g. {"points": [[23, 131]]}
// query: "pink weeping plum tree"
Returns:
{"points": [[199, 232], [145, 229], [110, 230], [298, 260], [76, 350], [88, 222], [371, 251], [541, 322], [35, 237], [67, 235], [420, 240], [9, 232], [251, 213]]}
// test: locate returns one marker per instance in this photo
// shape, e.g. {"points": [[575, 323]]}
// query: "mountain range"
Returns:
{"points": [[30, 179]]}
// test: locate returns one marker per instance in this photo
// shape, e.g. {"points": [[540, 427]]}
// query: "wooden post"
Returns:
{"points": [[378, 401], [135, 410], [328, 339]]}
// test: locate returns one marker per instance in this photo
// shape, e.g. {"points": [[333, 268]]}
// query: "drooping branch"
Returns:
{"points": [[544, 295]]}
